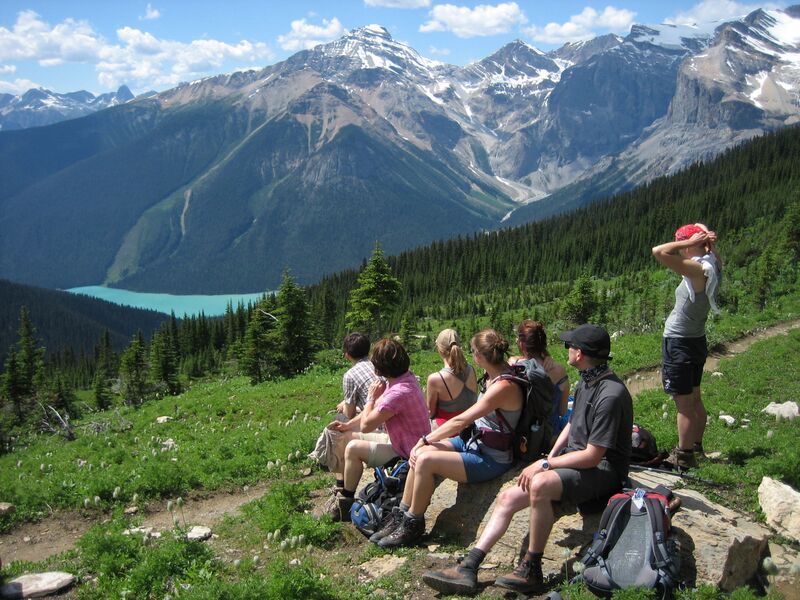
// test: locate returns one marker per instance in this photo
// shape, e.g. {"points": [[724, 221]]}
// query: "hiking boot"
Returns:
{"points": [[681, 460], [407, 533], [390, 524], [339, 509], [527, 578], [455, 580], [699, 453]]}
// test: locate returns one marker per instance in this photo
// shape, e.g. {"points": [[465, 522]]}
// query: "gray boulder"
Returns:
{"points": [[36, 585], [781, 505]]}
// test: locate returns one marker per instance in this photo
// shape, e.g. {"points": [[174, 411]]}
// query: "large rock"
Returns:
{"points": [[36, 585], [718, 546], [198, 533], [788, 410], [781, 505], [6, 509]]}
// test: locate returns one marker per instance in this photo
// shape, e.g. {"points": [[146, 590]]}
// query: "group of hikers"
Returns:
{"points": [[385, 415]]}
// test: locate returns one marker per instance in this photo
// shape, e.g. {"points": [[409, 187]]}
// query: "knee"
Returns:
{"points": [[424, 463], [539, 490], [352, 450]]}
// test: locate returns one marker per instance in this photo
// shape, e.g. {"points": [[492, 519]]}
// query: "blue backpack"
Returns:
{"points": [[375, 500]]}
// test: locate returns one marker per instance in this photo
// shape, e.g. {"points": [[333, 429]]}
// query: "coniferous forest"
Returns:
{"points": [[592, 264]]}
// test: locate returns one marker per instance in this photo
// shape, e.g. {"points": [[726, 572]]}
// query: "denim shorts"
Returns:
{"points": [[479, 467]]}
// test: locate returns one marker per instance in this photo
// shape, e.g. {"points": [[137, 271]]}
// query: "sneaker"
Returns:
{"points": [[527, 578], [681, 460], [407, 533], [392, 522], [455, 580], [339, 509]]}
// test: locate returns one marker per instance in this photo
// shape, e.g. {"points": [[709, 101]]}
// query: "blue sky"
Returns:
{"points": [[97, 45]]}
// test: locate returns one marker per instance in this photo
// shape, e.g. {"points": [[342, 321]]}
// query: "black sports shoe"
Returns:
{"points": [[527, 578], [407, 533], [392, 522], [455, 580]]}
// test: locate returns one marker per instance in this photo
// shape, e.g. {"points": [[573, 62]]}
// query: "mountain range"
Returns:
{"points": [[39, 106], [217, 185]]}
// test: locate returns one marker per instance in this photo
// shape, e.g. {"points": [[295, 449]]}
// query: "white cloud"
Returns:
{"points": [[709, 11], [439, 51], [150, 13], [18, 86], [484, 19], [7, 69], [304, 35], [137, 58], [399, 3], [587, 24]]}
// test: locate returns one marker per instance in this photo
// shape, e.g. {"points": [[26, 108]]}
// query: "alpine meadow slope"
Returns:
{"points": [[219, 184]]}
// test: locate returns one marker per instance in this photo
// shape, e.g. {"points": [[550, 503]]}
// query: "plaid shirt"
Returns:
{"points": [[355, 383]]}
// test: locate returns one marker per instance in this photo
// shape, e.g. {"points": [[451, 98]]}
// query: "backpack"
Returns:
{"points": [[644, 450], [375, 500], [633, 547], [531, 437]]}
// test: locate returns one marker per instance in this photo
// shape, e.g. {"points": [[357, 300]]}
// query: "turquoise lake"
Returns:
{"points": [[166, 303]]}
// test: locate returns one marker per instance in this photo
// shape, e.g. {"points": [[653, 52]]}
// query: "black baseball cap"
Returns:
{"points": [[593, 340]]}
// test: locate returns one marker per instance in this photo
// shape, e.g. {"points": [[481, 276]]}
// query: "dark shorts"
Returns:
{"points": [[683, 360], [582, 486], [479, 467]]}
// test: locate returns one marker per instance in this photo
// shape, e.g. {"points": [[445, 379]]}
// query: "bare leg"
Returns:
{"points": [[507, 505], [701, 416], [438, 461], [546, 488], [355, 455], [346, 436], [685, 403]]}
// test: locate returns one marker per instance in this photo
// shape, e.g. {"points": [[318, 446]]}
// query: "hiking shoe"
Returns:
{"points": [[407, 533], [390, 524], [527, 578], [699, 453], [339, 508], [681, 460], [455, 580]]}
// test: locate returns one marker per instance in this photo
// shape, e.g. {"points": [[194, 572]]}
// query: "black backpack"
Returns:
{"points": [[531, 436], [633, 547], [375, 500], [644, 450]]}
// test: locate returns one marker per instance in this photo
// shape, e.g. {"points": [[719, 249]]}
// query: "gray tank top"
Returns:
{"points": [[491, 421], [465, 398], [687, 319]]}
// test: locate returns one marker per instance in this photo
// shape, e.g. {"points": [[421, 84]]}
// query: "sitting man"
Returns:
{"points": [[589, 462], [357, 379]]}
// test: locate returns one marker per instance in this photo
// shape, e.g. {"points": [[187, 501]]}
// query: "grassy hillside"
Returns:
{"points": [[230, 434]]}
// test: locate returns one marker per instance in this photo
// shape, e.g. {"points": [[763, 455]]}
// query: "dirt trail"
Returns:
{"points": [[648, 379], [38, 541]]}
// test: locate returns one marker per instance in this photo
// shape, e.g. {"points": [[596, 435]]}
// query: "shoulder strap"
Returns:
{"points": [[445, 385]]}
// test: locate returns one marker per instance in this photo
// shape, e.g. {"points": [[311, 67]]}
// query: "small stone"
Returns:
{"points": [[728, 420], [163, 419], [198, 533], [294, 562], [6, 508], [131, 510], [306, 472]]}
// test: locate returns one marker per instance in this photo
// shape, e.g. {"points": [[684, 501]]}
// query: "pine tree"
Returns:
{"points": [[293, 328], [102, 397], [580, 303], [133, 371], [376, 292], [30, 356], [259, 354], [164, 362], [13, 387]]}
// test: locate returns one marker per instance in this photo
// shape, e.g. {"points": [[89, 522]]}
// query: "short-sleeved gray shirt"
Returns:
{"points": [[602, 415]]}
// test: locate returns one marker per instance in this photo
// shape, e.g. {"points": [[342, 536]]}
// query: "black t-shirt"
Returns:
{"points": [[602, 415]]}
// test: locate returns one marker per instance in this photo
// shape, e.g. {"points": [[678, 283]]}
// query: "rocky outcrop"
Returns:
{"points": [[719, 547], [781, 505]]}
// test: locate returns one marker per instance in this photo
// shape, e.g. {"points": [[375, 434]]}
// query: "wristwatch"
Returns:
{"points": [[545, 465], [424, 440]]}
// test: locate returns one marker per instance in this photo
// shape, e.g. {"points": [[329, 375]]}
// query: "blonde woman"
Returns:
{"points": [[453, 388]]}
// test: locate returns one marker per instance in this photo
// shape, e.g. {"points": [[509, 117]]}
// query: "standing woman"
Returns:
{"points": [[454, 388], [532, 343], [693, 256], [443, 453]]}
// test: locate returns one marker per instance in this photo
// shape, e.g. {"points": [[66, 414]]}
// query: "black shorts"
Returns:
{"points": [[582, 486], [683, 360]]}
